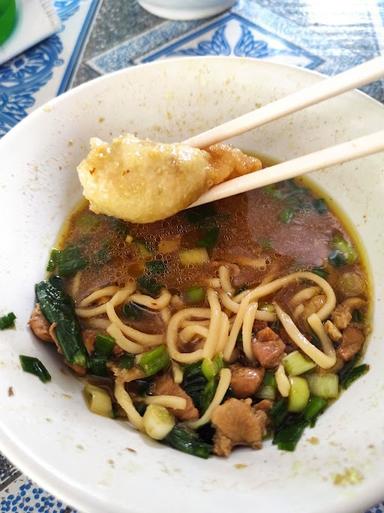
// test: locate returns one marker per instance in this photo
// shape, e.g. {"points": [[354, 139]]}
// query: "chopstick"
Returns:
{"points": [[338, 154], [328, 88]]}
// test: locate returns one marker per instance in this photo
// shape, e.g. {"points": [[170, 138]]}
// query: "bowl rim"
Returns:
{"points": [[19, 455]]}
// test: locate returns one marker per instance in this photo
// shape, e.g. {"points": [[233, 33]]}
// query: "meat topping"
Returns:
{"points": [[237, 423], [352, 342], [245, 381], [165, 385], [268, 348], [39, 324]]}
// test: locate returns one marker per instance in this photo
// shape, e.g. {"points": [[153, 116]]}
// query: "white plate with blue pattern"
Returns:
{"points": [[87, 460]]}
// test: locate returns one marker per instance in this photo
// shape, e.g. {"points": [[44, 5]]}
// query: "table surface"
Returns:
{"points": [[102, 36]]}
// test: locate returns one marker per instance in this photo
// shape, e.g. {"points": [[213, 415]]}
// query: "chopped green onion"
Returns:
{"points": [[154, 361], [195, 294], [158, 421], [210, 368], [337, 258], [286, 215], [320, 205], [278, 412], [320, 271], [97, 365], [268, 387], [70, 260], [52, 262], [98, 400], [324, 385], [209, 239], [34, 366], [194, 382], [7, 321], [156, 266], [127, 361], [298, 394], [142, 248], [149, 285], [295, 364], [102, 256], [104, 344], [353, 374], [315, 406], [286, 439], [188, 441], [342, 247], [357, 316]]}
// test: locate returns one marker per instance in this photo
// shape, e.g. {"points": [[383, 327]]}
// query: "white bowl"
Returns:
{"points": [[186, 10], [46, 429]]}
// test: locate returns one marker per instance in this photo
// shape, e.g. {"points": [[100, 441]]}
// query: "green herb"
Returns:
{"points": [[69, 261], [118, 226], [57, 307], [315, 406], [195, 294], [132, 311], [103, 255], [97, 365], [210, 368], [265, 243], [350, 372], [34, 366], [320, 271], [104, 344], [201, 215], [209, 239], [52, 262], [156, 266], [357, 316], [208, 394], [154, 361], [187, 440], [286, 438], [194, 382], [337, 258], [320, 206], [127, 361], [7, 321], [343, 251], [286, 215], [278, 412], [273, 191], [149, 285]]}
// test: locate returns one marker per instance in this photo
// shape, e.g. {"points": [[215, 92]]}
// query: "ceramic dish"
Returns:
{"points": [[87, 460]]}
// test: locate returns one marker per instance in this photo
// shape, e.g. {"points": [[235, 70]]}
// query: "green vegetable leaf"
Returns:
{"points": [[132, 311], [209, 238], [353, 374], [201, 215], [188, 441], [156, 266], [149, 285], [208, 394], [286, 215], [286, 438], [104, 344], [52, 262], [320, 205], [34, 366], [97, 365], [70, 260], [194, 382], [278, 412], [7, 321], [127, 361], [320, 271]]}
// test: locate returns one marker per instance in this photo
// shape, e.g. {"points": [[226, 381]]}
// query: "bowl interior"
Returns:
{"points": [[86, 459]]}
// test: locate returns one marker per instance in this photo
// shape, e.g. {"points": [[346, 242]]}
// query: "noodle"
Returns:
{"points": [[154, 304], [190, 332], [221, 390], [248, 320], [165, 314], [214, 325], [177, 373], [225, 279], [97, 294], [172, 334], [123, 342], [282, 382], [303, 295], [125, 401], [229, 303], [119, 297], [223, 333], [326, 359], [168, 401]]}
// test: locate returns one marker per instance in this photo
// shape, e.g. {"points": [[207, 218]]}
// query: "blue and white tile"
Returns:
{"points": [[45, 70]]}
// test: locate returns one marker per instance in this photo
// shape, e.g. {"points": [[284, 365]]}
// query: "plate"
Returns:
{"points": [[99, 465]]}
